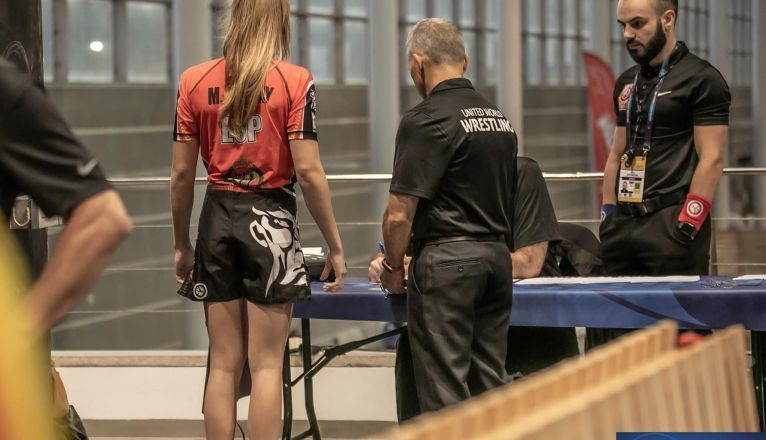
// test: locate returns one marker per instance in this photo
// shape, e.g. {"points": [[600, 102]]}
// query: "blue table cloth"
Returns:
{"points": [[711, 302]]}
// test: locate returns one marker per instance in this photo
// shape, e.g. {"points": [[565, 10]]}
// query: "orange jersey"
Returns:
{"points": [[260, 157]]}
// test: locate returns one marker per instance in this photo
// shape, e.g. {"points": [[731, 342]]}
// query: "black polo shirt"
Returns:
{"points": [[534, 220], [694, 93], [39, 155], [457, 153]]}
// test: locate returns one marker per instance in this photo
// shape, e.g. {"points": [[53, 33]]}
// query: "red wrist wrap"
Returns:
{"points": [[695, 210]]}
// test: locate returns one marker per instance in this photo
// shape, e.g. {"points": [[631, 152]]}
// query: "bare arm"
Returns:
{"points": [[91, 234], [313, 182], [710, 143], [612, 168], [528, 261], [182, 175], [397, 224]]}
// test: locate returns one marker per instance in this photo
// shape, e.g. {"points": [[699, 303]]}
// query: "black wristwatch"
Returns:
{"points": [[687, 229]]}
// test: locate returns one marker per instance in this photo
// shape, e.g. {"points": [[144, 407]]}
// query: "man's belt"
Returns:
{"points": [[454, 238], [649, 206]]}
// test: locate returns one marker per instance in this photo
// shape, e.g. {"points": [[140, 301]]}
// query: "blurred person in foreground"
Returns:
{"points": [[40, 157]]}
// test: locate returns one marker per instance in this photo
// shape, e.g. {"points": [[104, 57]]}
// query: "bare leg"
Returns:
{"points": [[227, 330], [268, 326]]}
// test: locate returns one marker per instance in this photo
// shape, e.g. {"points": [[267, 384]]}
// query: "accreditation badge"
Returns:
{"points": [[631, 185]]}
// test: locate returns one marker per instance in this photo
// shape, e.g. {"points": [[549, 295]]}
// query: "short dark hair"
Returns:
{"points": [[664, 5]]}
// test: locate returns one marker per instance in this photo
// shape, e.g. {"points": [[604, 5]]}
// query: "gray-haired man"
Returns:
{"points": [[451, 193]]}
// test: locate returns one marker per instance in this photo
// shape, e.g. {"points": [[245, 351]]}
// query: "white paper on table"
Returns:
{"points": [[607, 280], [313, 251], [750, 277]]}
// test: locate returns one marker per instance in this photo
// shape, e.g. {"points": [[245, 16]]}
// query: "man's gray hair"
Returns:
{"points": [[440, 40]]}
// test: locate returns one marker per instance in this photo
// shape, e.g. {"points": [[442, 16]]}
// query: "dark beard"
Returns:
{"points": [[653, 48]]}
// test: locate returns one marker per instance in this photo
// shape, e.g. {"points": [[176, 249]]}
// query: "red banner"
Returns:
{"points": [[602, 118]]}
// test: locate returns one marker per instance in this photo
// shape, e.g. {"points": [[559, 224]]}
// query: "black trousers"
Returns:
{"points": [[530, 349], [649, 246], [458, 306]]}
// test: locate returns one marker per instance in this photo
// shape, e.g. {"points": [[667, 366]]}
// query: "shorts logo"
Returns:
{"points": [[200, 291], [694, 209], [603, 216], [622, 101]]}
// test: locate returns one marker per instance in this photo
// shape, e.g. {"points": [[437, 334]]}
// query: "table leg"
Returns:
{"points": [[308, 382], [287, 396], [758, 349]]}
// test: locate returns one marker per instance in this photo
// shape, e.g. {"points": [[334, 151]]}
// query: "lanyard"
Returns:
{"points": [[647, 145]]}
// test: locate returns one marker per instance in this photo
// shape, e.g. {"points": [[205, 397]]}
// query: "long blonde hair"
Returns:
{"points": [[259, 32]]}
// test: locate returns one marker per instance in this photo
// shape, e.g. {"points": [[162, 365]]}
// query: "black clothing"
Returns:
{"points": [[693, 94], [644, 240], [528, 348], [247, 247], [458, 307], [534, 220], [39, 155], [456, 152], [652, 245]]}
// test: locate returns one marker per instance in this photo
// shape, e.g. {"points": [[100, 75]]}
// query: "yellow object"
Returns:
{"points": [[632, 180], [24, 402]]}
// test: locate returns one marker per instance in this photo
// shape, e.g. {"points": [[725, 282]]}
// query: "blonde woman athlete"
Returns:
{"points": [[251, 116]]}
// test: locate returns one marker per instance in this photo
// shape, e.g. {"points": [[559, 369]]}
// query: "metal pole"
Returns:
{"points": [[193, 27], [510, 84], [384, 92], [193, 39], [601, 30], [21, 43], [721, 59], [759, 103]]}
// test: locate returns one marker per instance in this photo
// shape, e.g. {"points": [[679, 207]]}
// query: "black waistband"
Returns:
{"points": [[649, 206], [454, 238]]}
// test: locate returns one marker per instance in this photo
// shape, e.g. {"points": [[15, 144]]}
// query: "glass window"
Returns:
{"points": [[321, 6], [321, 49], [294, 40], [552, 60], [90, 45], [147, 42], [467, 13], [444, 9], [415, 10], [741, 42], [552, 13], [469, 40], [492, 55], [571, 62], [570, 18], [356, 8], [355, 52], [492, 11], [533, 15], [533, 69], [48, 50]]}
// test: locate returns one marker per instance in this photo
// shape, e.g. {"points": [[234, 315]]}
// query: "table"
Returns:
{"points": [[704, 303]]}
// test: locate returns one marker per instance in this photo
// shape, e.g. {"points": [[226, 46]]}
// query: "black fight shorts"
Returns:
{"points": [[248, 247]]}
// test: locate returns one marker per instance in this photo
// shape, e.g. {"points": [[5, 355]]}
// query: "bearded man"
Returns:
{"points": [[668, 150]]}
